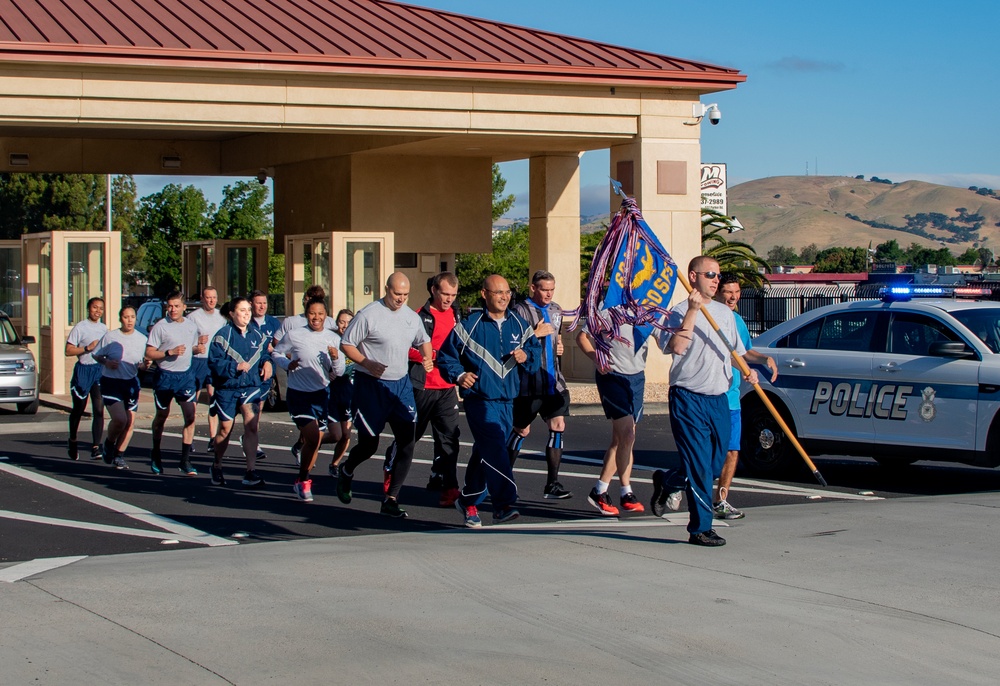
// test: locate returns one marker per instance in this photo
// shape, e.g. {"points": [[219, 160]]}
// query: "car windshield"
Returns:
{"points": [[7, 333], [985, 323]]}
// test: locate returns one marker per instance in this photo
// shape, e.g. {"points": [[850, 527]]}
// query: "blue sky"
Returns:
{"points": [[899, 90]]}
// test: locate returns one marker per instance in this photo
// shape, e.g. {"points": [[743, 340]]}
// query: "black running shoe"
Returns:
{"points": [[218, 479], [506, 514], [707, 538], [253, 480], [73, 449], [556, 491], [658, 503], [297, 452], [109, 452], [155, 463], [390, 507], [435, 483], [344, 487], [97, 452]]}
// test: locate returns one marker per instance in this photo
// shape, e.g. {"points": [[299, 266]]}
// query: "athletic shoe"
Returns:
{"points": [[507, 514], [344, 487], [218, 479], [390, 507], [674, 500], [297, 452], [471, 514], [211, 447], [435, 483], [724, 510], [119, 462], [303, 489], [449, 496], [72, 449], [109, 452], [155, 463], [333, 470], [631, 504], [386, 482], [707, 538], [261, 455], [187, 468], [555, 491], [602, 501], [252, 479], [97, 452], [659, 501]]}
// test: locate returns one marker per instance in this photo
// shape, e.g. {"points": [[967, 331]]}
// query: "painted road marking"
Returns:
{"points": [[89, 526], [26, 569], [188, 533]]}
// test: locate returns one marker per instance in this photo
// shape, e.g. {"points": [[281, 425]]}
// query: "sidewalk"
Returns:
{"points": [[887, 592]]}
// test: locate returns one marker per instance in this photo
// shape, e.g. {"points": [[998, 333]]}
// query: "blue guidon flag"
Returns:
{"points": [[642, 279]]}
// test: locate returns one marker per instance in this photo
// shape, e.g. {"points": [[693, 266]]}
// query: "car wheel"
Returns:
{"points": [[28, 408], [764, 447]]}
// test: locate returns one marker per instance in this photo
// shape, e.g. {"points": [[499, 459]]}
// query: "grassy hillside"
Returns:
{"points": [[795, 211]]}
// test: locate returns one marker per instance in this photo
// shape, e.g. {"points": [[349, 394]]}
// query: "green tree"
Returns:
{"points": [[588, 245], [733, 256], [244, 212], [31, 203], [509, 257], [889, 251], [125, 220], [782, 254], [808, 253], [841, 261], [501, 202], [970, 256], [167, 219]]}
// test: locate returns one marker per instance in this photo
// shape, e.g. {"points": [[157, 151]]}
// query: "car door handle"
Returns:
{"points": [[795, 363], [889, 367]]}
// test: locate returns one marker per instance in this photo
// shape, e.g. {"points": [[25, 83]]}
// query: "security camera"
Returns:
{"points": [[699, 111], [262, 176], [714, 115]]}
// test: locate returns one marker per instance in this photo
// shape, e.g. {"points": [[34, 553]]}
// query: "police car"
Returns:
{"points": [[899, 379]]}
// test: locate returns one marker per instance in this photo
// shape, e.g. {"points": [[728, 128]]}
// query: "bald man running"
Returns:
{"points": [[378, 341]]}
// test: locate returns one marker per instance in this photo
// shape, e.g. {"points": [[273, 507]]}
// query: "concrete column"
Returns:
{"points": [[661, 169], [554, 224]]}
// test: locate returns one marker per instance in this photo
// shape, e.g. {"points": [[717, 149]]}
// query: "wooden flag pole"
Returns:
{"points": [[741, 363]]}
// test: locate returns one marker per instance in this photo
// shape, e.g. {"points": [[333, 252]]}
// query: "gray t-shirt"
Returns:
{"points": [[705, 367], [625, 357], [167, 334], [311, 349], [129, 350], [208, 324], [83, 334], [386, 336]]}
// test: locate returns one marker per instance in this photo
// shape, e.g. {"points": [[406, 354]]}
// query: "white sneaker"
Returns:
{"points": [[674, 500], [724, 510]]}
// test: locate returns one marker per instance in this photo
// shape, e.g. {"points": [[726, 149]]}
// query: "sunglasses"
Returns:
{"points": [[709, 275]]}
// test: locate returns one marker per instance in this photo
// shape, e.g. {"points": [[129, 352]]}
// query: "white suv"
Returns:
{"points": [[18, 373]]}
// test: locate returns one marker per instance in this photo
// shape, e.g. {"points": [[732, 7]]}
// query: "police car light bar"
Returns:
{"points": [[904, 293]]}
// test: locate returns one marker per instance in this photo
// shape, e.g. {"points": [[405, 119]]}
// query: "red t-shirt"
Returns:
{"points": [[444, 322]]}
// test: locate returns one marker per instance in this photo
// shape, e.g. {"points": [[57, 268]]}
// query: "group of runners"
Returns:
{"points": [[392, 365]]}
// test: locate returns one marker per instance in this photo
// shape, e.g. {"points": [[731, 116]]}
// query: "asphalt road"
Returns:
{"points": [[51, 506]]}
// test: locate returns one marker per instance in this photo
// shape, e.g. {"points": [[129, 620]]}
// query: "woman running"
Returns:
{"points": [[122, 353], [240, 363], [314, 360], [341, 394], [86, 384]]}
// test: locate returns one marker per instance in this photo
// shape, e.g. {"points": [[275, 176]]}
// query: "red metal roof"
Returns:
{"points": [[331, 36]]}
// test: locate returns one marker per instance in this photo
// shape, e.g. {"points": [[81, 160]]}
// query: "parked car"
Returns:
{"points": [[898, 380], [18, 371]]}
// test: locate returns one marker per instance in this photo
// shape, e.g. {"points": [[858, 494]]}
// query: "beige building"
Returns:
{"points": [[370, 115]]}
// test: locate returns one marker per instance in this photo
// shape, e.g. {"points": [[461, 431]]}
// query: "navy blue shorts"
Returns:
{"points": [[202, 375], [115, 391], [306, 407], [170, 385], [621, 394], [227, 401], [85, 378], [527, 407], [341, 398], [377, 401]]}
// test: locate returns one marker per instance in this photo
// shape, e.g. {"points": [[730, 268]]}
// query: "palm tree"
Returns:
{"points": [[732, 256]]}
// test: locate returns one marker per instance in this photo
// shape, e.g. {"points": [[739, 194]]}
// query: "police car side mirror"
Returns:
{"points": [[952, 349], [27, 340]]}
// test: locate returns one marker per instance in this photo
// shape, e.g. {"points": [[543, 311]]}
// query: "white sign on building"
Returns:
{"points": [[713, 187]]}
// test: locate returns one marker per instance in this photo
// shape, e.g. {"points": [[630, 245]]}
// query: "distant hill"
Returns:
{"points": [[829, 211]]}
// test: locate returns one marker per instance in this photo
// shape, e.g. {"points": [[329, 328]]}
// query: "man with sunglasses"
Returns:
{"points": [[699, 412]]}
